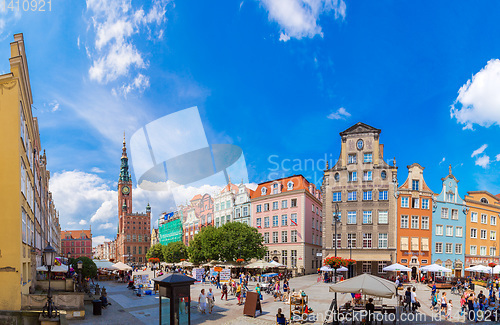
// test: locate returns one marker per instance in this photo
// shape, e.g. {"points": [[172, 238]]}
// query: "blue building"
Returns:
{"points": [[449, 230]]}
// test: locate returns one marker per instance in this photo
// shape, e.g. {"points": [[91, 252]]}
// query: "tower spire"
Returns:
{"points": [[124, 149], [124, 172]]}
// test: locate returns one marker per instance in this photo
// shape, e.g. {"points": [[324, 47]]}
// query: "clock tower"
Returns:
{"points": [[124, 188]]}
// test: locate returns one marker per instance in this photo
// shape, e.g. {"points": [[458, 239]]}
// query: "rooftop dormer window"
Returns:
{"points": [[289, 185], [263, 191], [484, 200]]}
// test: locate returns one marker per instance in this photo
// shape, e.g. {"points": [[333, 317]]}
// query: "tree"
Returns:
{"points": [[239, 240], [89, 269], [175, 252], [230, 242], [156, 251]]}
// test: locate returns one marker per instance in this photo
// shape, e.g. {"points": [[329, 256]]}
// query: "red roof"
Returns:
{"points": [[196, 197], [299, 183], [76, 234]]}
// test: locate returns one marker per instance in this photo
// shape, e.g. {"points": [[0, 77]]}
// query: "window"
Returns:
{"points": [[312, 208], [352, 196], [294, 258], [482, 250], [458, 249], [382, 240], [383, 174], [493, 220], [259, 223], [473, 250], [284, 257], [367, 217], [275, 237], [404, 202], [484, 219], [337, 177], [414, 222], [425, 204], [483, 234], [351, 159], [404, 222], [484, 200], [439, 248], [439, 230], [24, 225], [337, 196], [473, 233], [217, 207], [266, 206], [352, 177], [367, 267], [275, 205], [415, 203], [293, 236], [312, 223], [266, 222], [367, 158], [351, 240], [383, 217], [289, 185], [367, 240], [450, 197], [284, 236], [381, 266], [266, 256], [266, 238], [383, 196], [284, 220], [223, 205], [414, 243], [245, 213], [425, 223], [449, 248], [458, 232], [367, 175], [415, 185], [339, 237], [449, 231], [367, 195], [259, 208], [263, 191], [293, 219], [404, 243], [425, 244], [275, 221], [473, 217], [493, 235], [351, 217], [293, 203], [444, 213], [493, 251], [284, 204]]}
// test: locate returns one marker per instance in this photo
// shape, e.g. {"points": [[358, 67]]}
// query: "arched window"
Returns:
{"points": [[484, 200], [290, 185], [263, 191], [337, 177], [383, 174]]}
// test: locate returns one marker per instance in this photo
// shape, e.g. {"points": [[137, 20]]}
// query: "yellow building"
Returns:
{"points": [[483, 228], [28, 213]]}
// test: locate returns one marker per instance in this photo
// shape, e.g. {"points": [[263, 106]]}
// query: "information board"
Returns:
{"points": [[213, 273], [225, 275], [141, 279], [198, 274]]}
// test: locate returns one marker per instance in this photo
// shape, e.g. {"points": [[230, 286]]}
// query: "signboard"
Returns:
{"points": [[198, 274], [319, 254], [252, 304], [217, 268], [225, 275], [141, 279], [168, 215], [213, 272]]}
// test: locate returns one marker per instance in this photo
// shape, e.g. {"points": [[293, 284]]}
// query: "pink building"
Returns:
{"points": [[287, 212], [197, 215]]}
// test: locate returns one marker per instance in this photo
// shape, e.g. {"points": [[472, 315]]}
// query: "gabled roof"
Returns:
{"points": [[196, 197], [359, 128], [76, 234]]}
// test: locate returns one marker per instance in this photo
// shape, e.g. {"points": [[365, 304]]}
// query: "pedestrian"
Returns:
{"points": [[211, 300], [470, 306], [224, 291], [434, 300], [218, 280], [450, 309], [476, 308], [407, 301], [433, 291], [257, 289], [463, 305], [370, 309], [202, 302], [238, 293], [414, 301], [444, 303]]}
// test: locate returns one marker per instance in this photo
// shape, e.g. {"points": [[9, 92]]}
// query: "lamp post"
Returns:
{"points": [[68, 255], [336, 219], [79, 266], [49, 256]]}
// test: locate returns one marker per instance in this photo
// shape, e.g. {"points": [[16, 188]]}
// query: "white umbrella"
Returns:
{"points": [[56, 268], [366, 284], [260, 264], [122, 266], [276, 264], [475, 268], [103, 264], [435, 268], [396, 267], [326, 268]]}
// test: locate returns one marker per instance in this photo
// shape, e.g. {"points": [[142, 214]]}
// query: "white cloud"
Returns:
{"points": [[340, 114], [241, 4], [478, 101], [78, 42], [497, 157], [82, 222], [479, 150], [140, 83], [98, 240], [108, 225], [70, 223], [442, 160], [54, 106], [300, 18], [483, 161], [116, 55], [96, 170]]}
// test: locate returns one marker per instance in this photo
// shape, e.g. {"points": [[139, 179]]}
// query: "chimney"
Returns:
{"points": [[381, 149]]}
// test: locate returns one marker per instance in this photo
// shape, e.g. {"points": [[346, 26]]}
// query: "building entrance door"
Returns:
{"points": [[414, 272]]}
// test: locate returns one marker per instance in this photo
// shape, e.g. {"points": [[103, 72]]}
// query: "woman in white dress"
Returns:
{"points": [[202, 301], [210, 300]]}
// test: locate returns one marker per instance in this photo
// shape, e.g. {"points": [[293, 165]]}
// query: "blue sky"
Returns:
{"points": [[280, 79]]}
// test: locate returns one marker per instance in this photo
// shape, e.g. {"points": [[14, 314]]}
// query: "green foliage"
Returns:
{"points": [[230, 242], [89, 268], [174, 252], [155, 251]]}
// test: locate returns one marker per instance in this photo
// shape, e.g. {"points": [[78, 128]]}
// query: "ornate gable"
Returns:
{"points": [[359, 128]]}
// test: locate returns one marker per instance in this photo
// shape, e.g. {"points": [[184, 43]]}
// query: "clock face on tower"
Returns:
{"points": [[125, 190]]}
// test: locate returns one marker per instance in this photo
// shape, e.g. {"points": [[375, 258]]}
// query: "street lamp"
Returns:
{"points": [[79, 266], [336, 218], [68, 255], [48, 257]]}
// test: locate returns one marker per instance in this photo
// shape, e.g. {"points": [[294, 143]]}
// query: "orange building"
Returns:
{"points": [[414, 221], [481, 240]]}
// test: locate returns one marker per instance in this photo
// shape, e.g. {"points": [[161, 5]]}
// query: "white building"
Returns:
{"points": [[224, 204], [242, 206]]}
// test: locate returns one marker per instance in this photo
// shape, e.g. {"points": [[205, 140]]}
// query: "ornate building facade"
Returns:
{"points": [[363, 186], [134, 229], [242, 205]]}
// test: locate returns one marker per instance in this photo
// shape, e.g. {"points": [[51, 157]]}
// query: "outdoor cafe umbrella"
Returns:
{"points": [[260, 264], [366, 284], [396, 268], [55, 268], [122, 266], [276, 264], [103, 264], [435, 268]]}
